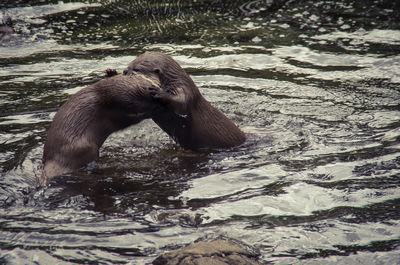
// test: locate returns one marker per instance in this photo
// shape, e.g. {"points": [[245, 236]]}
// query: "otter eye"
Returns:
{"points": [[136, 70], [156, 70]]}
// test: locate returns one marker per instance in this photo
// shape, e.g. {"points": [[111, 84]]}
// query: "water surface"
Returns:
{"points": [[315, 86]]}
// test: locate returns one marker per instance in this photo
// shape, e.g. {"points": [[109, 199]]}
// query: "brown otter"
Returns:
{"points": [[84, 122], [188, 117]]}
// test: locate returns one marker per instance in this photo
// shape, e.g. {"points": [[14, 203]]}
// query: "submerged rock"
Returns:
{"points": [[6, 27], [215, 252]]}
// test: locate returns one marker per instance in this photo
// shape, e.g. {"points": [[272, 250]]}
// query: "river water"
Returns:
{"points": [[314, 84]]}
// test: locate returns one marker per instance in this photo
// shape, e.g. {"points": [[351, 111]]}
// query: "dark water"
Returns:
{"points": [[314, 84]]}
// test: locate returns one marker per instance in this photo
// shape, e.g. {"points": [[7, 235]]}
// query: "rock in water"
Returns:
{"points": [[215, 252]]}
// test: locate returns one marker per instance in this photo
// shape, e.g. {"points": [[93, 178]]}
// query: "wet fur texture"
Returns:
{"points": [[187, 116], [84, 122]]}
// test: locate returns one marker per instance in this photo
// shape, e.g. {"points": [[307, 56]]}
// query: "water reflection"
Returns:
{"points": [[313, 84]]}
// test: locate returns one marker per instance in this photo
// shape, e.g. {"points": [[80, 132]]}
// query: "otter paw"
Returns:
{"points": [[155, 92], [110, 72]]}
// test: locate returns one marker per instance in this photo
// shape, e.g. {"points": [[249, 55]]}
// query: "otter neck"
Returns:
{"points": [[96, 121], [204, 127]]}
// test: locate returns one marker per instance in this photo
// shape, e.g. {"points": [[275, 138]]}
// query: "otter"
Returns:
{"points": [[187, 116], [84, 122]]}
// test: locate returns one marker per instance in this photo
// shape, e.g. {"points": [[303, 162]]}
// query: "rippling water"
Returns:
{"points": [[315, 86]]}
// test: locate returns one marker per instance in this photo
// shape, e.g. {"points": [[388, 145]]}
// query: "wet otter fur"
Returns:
{"points": [[84, 122], [187, 117]]}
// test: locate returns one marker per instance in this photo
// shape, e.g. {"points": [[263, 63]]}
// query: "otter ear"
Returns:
{"points": [[157, 70]]}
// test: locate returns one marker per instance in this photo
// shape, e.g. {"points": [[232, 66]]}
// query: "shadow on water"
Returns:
{"points": [[313, 84], [116, 186]]}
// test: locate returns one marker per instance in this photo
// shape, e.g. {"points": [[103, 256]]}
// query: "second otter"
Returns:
{"points": [[188, 117], [84, 122]]}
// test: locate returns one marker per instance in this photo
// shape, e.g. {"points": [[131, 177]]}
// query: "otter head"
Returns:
{"points": [[179, 90], [129, 97]]}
